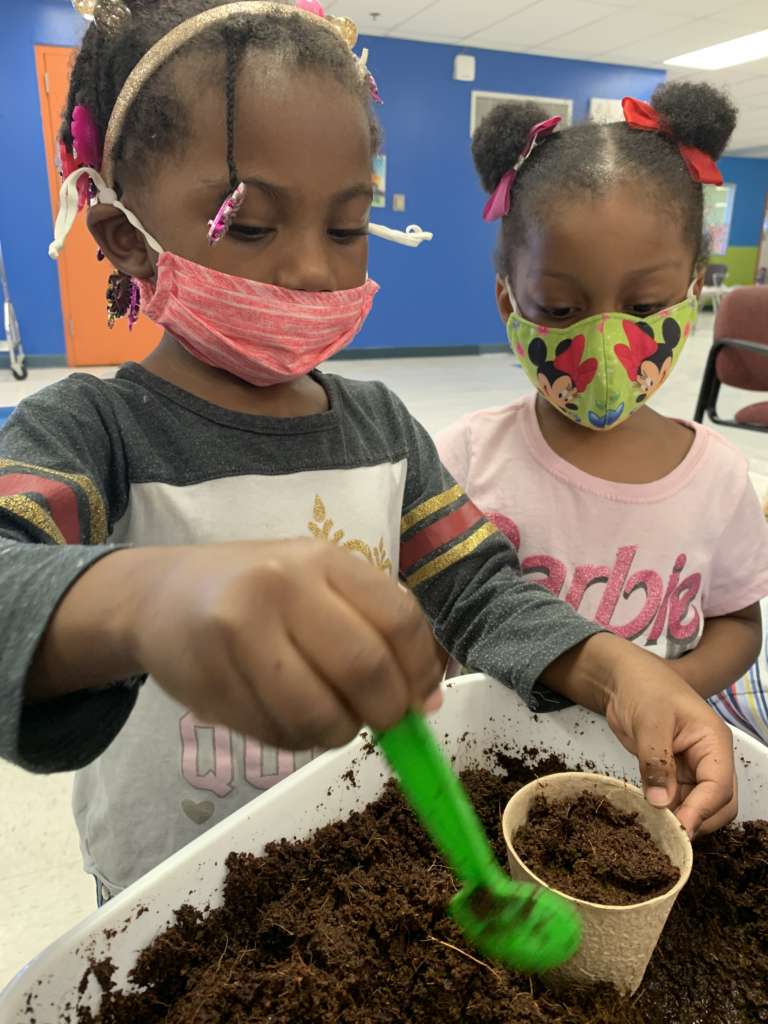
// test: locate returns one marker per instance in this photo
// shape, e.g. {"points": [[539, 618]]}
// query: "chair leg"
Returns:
{"points": [[709, 387]]}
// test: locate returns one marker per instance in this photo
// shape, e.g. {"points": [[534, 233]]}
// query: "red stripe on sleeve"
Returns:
{"points": [[60, 497], [441, 532]]}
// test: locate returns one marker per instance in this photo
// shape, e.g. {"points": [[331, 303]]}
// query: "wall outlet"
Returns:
{"points": [[398, 202]]}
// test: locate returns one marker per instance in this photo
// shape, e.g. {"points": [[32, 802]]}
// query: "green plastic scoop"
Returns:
{"points": [[518, 924]]}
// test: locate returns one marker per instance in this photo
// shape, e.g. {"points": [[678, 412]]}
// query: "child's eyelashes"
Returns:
{"points": [[557, 313], [643, 309], [563, 314], [347, 235], [249, 233], [253, 233]]}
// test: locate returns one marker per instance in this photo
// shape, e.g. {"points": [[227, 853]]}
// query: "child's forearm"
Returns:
{"points": [[88, 642], [728, 647]]}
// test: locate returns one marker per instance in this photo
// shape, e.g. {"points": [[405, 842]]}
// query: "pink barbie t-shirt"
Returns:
{"points": [[650, 562]]}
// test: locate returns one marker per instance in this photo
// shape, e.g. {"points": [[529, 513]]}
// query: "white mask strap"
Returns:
{"points": [[511, 297], [413, 235], [68, 210]]}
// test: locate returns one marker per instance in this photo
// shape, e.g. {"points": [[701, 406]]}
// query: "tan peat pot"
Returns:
{"points": [[617, 941]]}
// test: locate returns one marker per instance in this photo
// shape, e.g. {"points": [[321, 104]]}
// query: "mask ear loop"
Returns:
{"points": [[510, 295], [68, 210], [413, 235]]}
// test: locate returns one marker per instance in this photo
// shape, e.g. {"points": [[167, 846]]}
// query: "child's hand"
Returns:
{"points": [[685, 750], [296, 643]]}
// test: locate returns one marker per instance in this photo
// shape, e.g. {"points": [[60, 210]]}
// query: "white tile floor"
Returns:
{"points": [[43, 890]]}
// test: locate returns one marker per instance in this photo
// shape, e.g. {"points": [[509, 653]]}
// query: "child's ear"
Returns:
{"points": [[120, 242], [503, 300]]}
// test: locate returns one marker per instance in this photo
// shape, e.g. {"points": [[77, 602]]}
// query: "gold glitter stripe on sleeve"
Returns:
{"points": [[25, 508], [429, 507], [452, 556], [98, 514]]}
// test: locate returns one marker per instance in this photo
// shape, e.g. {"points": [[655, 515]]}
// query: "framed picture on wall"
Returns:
{"points": [[605, 111], [482, 103]]}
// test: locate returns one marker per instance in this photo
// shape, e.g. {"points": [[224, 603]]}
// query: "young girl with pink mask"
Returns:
{"points": [[200, 556], [647, 525]]}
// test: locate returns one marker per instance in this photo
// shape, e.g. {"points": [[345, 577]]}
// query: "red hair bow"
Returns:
{"points": [[701, 167]]}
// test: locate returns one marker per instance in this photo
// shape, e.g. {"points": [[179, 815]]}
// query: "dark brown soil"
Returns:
{"points": [[591, 849], [350, 928]]}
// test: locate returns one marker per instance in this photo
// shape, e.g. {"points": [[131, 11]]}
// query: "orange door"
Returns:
{"points": [[82, 279]]}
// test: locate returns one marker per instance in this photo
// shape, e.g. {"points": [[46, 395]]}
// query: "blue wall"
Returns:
{"points": [[442, 293], [751, 180], [25, 205], [438, 295]]}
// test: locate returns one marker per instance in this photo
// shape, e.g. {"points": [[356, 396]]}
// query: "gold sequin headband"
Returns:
{"points": [[164, 49]]}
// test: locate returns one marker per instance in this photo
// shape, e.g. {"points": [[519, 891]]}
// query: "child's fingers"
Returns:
{"points": [[343, 648], [434, 701], [653, 742], [288, 703], [394, 613]]}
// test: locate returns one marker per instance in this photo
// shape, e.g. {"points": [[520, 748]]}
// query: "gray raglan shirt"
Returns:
{"points": [[89, 464]]}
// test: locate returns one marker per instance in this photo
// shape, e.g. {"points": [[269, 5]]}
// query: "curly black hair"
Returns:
{"points": [[591, 158], [157, 122]]}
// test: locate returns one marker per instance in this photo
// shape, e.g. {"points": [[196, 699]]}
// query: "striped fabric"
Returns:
{"points": [[745, 703], [438, 533]]}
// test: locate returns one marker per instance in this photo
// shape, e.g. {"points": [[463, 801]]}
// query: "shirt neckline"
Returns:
{"points": [[258, 424], [656, 490]]}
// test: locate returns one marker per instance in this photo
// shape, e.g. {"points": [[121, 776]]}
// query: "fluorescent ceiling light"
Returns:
{"points": [[725, 55]]}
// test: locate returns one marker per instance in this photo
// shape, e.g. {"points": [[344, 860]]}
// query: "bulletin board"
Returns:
{"points": [[718, 214]]}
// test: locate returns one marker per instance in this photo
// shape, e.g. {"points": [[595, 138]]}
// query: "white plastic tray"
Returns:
{"points": [[483, 711]]}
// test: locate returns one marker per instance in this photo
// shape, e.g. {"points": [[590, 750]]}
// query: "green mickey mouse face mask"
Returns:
{"points": [[599, 371]]}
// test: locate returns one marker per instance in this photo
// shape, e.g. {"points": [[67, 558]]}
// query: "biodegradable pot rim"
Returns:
{"points": [[608, 780]]}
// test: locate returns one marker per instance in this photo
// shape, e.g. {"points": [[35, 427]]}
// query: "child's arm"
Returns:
{"points": [[296, 643], [728, 648], [492, 619]]}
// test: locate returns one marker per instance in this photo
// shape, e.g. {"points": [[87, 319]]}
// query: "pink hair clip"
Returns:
{"points": [[373, 88], [312, 7], [221, 223], [498, 203], [86, 150]]}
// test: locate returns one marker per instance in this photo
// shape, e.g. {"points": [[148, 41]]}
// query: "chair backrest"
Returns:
{"points": [[743, 316], [715, 274]]}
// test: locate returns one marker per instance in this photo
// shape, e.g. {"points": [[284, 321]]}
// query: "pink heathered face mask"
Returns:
{"points": [[258, 332]]}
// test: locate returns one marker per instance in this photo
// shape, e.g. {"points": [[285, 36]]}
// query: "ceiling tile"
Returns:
{"points": [[657, 48], [457, 18], [391, 12], [690, 8], [751, 15], [616, 31], [539, 22], [752, 88]]}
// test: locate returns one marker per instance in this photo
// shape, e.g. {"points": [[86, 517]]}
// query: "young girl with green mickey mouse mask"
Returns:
{"points": [[645, 524]]}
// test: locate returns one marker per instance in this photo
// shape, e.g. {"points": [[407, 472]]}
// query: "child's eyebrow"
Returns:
{"points": [[655, 268], [277, 192]]}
